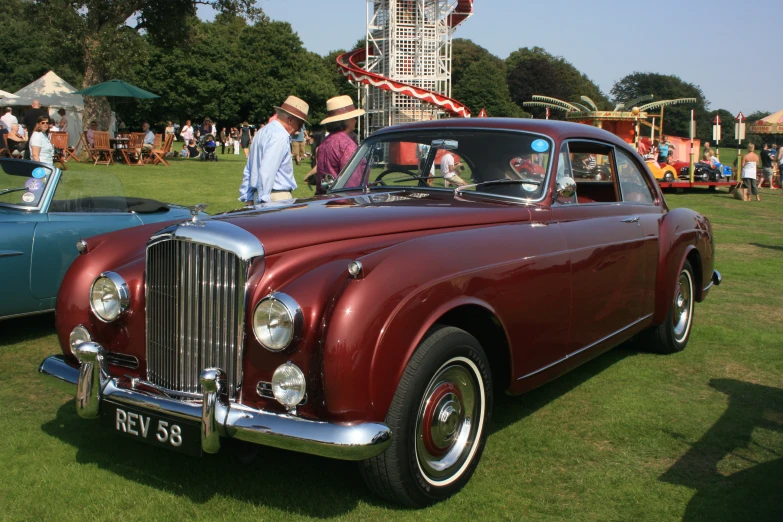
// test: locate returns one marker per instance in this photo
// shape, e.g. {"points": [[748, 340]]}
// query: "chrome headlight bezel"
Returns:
{"points": [[288, 374], [291, 308], [80, 334], [123, 295]]}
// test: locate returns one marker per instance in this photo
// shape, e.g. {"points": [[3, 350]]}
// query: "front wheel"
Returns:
{"points": [[439, 420], [672, 336]]}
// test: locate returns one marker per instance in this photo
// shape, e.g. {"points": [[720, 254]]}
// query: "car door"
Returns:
{"points": [[78, 209], [605, 244]]}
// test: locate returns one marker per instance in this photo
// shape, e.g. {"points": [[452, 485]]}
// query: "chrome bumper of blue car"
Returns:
{"points": [[217, 416], [717, 279]]}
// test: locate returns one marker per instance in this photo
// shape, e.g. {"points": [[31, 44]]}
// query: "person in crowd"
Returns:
{"points": [[8, 119], [665, 149], [237, 142], [30, 119], [169, 130], [749, 163], [186, 132], [16, 143], [206, 127], [61, 125], [269, 172], [338, 147], [767, 162], [298, 144], [316, 138], [91, 133], [223, 140], [449, 170], [707, 152], [780, 169], [149, 137], [244, 139], [192, 147], [41, 148]]}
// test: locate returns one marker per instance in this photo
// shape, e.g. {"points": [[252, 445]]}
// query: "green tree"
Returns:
{"points": [[478, 79], [665, 87], [111, 47], [535, 71]]}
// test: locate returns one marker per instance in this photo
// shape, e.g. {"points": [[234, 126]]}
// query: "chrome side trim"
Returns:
{"points": [[215, 233], [591, 345], [10, 253], [219, 417], [26, 314]]}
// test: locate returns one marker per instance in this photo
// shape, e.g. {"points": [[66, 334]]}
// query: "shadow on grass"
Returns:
{"points": [[292, 482], [750, 494], [510, 409], [27, 328], [771, 247]]}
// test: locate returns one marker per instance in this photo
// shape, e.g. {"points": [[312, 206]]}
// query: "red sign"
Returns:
{"points": [[740, 116], [716, 121]]}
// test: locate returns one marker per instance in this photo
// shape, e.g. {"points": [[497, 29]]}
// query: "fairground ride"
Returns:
{"points": [[404, 69]]}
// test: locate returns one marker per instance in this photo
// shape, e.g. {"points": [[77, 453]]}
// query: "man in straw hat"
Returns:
{"points": [[269, 173], [338, 147]]}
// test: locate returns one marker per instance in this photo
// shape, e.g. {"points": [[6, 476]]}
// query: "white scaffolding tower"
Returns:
{"points": [[408, 41]]}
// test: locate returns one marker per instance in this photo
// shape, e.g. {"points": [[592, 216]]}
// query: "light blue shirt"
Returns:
{"points": [[149, 138], [269, 165]]}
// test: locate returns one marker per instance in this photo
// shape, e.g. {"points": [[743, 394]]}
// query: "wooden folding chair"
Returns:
{"points": [[70, 152], [5, 151], [158, 154], [156, 144], [59, 141], [102, 148], [133, 154]]}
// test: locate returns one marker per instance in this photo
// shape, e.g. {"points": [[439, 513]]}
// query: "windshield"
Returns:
{"points": [[515, 163], [23, 183]]}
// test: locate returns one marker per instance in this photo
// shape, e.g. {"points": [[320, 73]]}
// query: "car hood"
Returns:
{"points": [[339, 217]]}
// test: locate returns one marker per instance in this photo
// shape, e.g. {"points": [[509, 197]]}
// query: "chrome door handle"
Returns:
{"points": [[631, 220]]}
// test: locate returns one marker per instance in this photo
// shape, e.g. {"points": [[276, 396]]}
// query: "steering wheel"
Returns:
{"points": [[379, 179]]}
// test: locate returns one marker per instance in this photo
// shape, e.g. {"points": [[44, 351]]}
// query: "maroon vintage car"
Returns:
{"points": [[377, 322]]}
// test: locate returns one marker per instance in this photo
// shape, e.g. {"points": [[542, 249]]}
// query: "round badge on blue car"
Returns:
{"points": [[39, 172], [540, 145]]}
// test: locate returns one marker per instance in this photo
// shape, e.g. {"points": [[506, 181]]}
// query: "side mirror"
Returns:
{"points": [[566, 188]]}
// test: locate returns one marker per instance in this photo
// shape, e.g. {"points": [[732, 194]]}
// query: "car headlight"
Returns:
{"points": [[288, 385], [277, 321], [78, 336], [109, 296]]}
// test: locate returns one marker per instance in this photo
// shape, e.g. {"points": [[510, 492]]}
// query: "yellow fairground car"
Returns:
{"points": [[665, 173]]}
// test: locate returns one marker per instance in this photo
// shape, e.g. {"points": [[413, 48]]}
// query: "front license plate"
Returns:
{"points": [[166, 432]]}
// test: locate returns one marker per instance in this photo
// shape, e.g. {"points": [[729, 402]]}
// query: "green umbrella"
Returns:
{"points": [[116, 88]]}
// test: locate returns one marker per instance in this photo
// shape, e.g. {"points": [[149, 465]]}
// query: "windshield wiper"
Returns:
{"points": [[6, 191], [499, 182]]}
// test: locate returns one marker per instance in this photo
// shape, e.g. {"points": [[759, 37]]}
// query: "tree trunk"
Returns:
{"points": [[95, 107]]}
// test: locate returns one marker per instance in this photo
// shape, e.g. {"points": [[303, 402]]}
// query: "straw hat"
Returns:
{"points": [[295, 107], [340, 108]]}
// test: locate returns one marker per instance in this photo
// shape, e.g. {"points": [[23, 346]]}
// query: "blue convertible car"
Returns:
{"points": [[44, 212]]}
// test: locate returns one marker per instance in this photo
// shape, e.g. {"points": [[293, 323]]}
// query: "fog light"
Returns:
{"points": [[78, 336], [288, 385]]}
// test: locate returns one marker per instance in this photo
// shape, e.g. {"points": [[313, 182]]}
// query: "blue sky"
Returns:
{"points": [[605, 39]]}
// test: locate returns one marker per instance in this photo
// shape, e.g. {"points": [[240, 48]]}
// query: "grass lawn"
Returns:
{"points": [[629, 436]]}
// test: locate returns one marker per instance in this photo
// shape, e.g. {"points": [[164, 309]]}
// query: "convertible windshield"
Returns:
{"points": [[464, 159], [22, 183]]}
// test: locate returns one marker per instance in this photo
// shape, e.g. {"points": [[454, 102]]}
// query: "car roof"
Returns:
{"points": [[558, 130]]}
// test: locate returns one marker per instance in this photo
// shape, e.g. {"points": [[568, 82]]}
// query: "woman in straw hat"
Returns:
{"points": [[338, 147]]}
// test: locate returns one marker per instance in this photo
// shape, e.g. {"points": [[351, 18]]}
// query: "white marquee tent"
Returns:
{"points": [[55, 93]]}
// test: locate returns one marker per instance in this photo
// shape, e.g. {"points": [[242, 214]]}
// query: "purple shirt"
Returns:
{"points": [[333, 155]]}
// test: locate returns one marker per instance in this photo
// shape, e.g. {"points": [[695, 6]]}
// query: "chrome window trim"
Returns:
{"points": [[394, 134]]}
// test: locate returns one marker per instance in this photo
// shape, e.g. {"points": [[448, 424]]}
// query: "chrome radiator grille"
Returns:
{"points": [[195, 314]]}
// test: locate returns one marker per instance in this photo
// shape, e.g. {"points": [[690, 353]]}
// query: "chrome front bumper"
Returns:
{"points": [[217, 416]]}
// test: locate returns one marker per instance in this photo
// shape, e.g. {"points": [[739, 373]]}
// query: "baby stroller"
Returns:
{"points": [[208, 146]]}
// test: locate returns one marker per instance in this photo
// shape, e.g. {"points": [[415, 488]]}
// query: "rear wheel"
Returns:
{"points": [[439, 419], [672, 336]]}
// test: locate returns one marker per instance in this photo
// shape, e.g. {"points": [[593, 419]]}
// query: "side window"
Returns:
{"points": [[632, 184], [590, 165]]}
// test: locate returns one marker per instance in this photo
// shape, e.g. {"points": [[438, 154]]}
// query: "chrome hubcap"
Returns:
{"points": [[450, 421], [683, 307]]}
